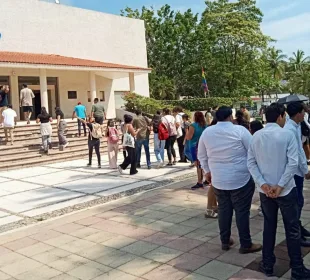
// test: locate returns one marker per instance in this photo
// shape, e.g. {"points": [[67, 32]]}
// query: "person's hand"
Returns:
{"points": [[208, 177], [266, 189], [275, 191], [307, 176]]}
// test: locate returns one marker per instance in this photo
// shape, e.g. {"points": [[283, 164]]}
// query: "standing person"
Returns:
{"points": [[3, 101], [143, 138], [246, 113], [80, 113], [98, 112], [95, 133], [296, 113], [178, 113], [130, 147], [123, 132], [26, 96], [61, 127], [9, 122], [46, 130], [273, 170], [113, 138], [159, 145], [169, 122], [193, 135], [222, 153], [214, 110], [305, 129], [209, 117], [241, 120]]}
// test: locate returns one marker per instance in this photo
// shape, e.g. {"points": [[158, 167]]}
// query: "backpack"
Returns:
{"points": [[171, 128], [163, 133], [97, 131], [156, 121], [304, 129], [113, 135]]}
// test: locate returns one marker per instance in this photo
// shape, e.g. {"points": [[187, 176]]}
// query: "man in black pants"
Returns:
{"points": [[93, 142], [273, 161]]}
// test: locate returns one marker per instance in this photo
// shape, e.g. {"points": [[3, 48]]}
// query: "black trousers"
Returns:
{"points": [[239, 200], [170, 147], [180, 141], [130, 160], [91, 145], [79, 127], [99, 119], [289, 208]]}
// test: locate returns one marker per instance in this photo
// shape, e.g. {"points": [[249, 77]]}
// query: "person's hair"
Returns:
{"points": [[43, 111], [215, 107], [214, 122], [158, 112], [10, 106], [96, 100], [166, 111], [128, 119], [1, 86], [111, 123], [200, 119], [223, 113], [177, 109], [274, 111], [242, 107], [209, 110], [185, 117], [256, 126], [58, 111], [138, 112], [24, 85], [239, 116], [294, 108], [79, 103]]}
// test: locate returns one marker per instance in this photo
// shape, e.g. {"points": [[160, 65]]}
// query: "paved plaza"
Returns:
{"points": [[154, 234]]}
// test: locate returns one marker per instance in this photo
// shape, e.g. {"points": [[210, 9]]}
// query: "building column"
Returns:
{"points": [[15, 94], [43, 89], [132, 85], [109, 99], [93, 88]]}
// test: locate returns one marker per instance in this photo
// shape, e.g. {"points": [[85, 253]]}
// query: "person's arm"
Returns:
{"points": [[306, 120], [73, 115], [92, 111], [58, 120], [177, 121], [246, 138], [132, 131], [83, 121], [85, 112], [253, 167], [203, 155], [292, 161], [190, 133], [20, 99]]}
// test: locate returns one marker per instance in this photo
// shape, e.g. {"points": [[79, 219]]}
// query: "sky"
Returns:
{"points": [[287, 21]]}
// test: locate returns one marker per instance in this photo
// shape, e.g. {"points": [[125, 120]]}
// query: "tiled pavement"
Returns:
{"points": [[155, 235]]}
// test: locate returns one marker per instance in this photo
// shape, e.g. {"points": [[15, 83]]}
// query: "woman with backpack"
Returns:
{"points": [[45, 119], [169, 121], [95, 132], [113, 137]]}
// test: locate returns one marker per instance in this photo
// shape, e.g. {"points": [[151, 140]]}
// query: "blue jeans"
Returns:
{"points": [[159, 148], [299, 181], [145, 144]]}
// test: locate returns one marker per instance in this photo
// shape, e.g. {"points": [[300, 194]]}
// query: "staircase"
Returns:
{"points": [[27, 152]]}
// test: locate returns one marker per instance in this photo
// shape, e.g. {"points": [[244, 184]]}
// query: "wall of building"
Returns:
{"points": [[39, 27]]}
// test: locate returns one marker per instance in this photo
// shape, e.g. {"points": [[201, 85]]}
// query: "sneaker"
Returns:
{"points": [[50, 146], [169, 164], [149, 167], [28, 122], [88, 164], [66, 145], [254, 248], [267, 270], [226, 247], [300, 274], [159, 165], [99, 166], [120, 170], [210, 214], [197, 186], [134, 172], [174, 162]]}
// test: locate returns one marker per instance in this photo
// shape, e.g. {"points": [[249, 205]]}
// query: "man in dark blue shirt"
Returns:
{"points": [[4, 90]]}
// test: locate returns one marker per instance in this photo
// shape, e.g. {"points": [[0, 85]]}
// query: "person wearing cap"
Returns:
{"points": [[80, 113]]}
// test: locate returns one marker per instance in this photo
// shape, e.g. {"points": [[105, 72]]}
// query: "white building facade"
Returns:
{"points": [[68, 55]]}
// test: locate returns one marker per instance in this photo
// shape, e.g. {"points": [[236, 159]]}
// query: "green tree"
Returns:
{"points": [[277, 62], [299, 62]]}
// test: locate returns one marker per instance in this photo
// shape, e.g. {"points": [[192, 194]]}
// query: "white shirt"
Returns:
{"points": [[302, 160], [168, 118], [178, 119], [273, 157], [222, 150], [8, 117]]}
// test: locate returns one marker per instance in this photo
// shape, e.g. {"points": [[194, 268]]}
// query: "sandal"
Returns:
{"points": [[211, 214], [174, 162], [169, 164]]}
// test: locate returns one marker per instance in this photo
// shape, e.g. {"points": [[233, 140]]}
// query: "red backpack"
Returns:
{"points": [[163, 132]]}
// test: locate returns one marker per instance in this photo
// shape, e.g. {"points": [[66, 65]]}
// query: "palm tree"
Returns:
{"points": [[277, 62], [298, 62]]}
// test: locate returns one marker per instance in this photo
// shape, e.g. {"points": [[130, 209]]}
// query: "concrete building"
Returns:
{"points": [[67, 54]]}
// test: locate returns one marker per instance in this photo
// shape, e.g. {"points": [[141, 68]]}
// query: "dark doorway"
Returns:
{"points": [[37, 104]]}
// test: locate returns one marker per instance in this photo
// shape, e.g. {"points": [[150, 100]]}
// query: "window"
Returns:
{"points": [[72, 94], [101, 96], [88, 96]]}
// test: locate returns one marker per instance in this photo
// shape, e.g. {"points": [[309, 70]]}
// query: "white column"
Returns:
{"points": [[132, 84], [109, 99], [93, 89], [15, 94], [43, 89]]}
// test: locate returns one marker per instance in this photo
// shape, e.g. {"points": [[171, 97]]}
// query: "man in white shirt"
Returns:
{"points": [[178, 113], [296, 112], [9, 121], [273, 160], [26, 96], [222, 153]]}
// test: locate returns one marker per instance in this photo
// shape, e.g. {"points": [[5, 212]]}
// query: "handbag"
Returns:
{"points": [[128, 140]]}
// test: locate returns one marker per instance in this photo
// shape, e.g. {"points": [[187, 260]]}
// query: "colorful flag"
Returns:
{"points": [[204, 81]]}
